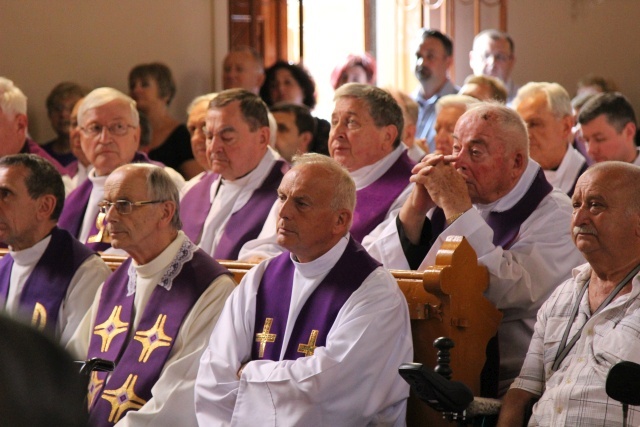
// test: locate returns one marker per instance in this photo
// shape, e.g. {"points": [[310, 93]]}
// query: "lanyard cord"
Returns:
{"points": [[565, 348]]}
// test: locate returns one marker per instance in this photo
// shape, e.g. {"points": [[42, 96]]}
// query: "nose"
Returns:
{"points": [[104, 135], [580, 216], [284, 212]]}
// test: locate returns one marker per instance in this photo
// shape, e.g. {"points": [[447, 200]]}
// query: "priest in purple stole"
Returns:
{"points": [[48, 277], [109, 136], [315, 335], [492, 193], [152, 317], [228, 206], [365, 138]]}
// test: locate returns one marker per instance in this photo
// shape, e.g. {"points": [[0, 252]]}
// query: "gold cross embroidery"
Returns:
{"points": [[122, 399], [110, 328], [103, 234], [153, 338], [39, 317], [95, 385], [264, 337], [309, 347]]}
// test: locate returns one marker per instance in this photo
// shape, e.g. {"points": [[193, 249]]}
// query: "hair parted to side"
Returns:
{"points": [[12, 100], [558, 99], [160, 186], [104, 95], [43, 178], [253, 108], [344, 196], [304, 120], [615, 106], [383, 109]]}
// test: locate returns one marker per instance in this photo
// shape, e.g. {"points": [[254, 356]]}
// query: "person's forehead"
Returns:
{"points": [[352, 105], [284, 116], [126, 180], [13, 175], [598, 124], [431, 43], [241, 57], [199, 110], [115, 108], [487, 43]]}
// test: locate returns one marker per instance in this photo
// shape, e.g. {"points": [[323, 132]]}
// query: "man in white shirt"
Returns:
{"points": [[153, 315], [315, 335], [490, 192], [228, 207], [110, 137], [599, 306], [365, 138], [609, 126], [546, 109], [53, 291]]}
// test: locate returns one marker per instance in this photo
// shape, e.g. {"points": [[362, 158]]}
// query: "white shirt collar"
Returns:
{"points": [[324, 263], [30, 256]]}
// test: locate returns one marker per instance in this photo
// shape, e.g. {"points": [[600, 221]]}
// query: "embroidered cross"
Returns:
{"points": [[103, 234], [264, 337], [123, 399], [153, 338], [95, 385], [309, 347], [39, 317], [110, 328]]}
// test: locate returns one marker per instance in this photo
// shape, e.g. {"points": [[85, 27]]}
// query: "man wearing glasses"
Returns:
{"points": [[109, 136], [52, 292], [153, 316], [493, 55], [229, 206]]}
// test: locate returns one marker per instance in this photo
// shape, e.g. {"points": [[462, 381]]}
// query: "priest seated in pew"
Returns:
{"points": [[315, 335], [592, 321], [493, 194], [50, 291], [153, 315]]}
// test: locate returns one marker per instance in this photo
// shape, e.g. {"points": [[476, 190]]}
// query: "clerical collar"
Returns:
{"points": [[30, 255], [324, 263]]}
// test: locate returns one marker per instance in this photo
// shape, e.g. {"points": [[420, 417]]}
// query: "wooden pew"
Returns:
{"points": [[445, 300]]}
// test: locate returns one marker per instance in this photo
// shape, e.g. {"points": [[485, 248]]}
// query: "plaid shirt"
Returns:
{"points": [[574, 395]]}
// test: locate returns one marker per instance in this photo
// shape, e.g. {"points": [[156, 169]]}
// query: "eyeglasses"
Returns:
{"points": [[123, 207], [116, 129]]}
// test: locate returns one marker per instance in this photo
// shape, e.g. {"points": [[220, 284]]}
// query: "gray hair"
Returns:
{"points": [[460, 101], [344, 196], [558, 99], [104, 95], [12, 100], [160, 186], [383, 109], [199, 99], [512, 130]]}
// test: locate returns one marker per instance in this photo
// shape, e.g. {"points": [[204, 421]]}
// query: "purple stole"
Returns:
{"points": [[31, 147], [506, 225], [46, 286], [140, 360], [374, 201], [195, 206], [75, 207], [319, 311]]}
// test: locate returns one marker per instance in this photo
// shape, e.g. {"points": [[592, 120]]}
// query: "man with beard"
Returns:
{"points": [[434, 56]]}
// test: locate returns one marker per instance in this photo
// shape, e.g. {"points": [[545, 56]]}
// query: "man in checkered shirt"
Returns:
{"points": [[570, 384]]}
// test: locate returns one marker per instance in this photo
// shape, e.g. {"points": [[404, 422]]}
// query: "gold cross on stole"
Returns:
{"points": [[123, 398], [110, 328], [264, 337], [103, 234], [153, 338], [309, 347]]}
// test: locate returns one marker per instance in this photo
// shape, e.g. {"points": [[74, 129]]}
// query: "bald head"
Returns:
{"points": [[621, 177]]}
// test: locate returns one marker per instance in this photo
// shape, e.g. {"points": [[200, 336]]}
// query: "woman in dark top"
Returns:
{"points": [[153, 88], [285, 82]]}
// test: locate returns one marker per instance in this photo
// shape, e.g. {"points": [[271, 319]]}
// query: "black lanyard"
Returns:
{"points": [[565, 348]]}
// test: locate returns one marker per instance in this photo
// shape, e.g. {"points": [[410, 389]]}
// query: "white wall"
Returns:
{"points": [[97, 42]]}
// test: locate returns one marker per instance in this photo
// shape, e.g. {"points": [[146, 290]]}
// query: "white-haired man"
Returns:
{"points": [[109, 136]]}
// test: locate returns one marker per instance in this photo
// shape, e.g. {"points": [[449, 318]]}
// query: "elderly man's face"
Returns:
{"points": [[18, 211], [306, 223], [604, 142], [233, 149], [12, 133], [239, 70], [106, 151], [354, 140], [196, 123], [432, 61], [548, 135], [601, 220], [135, 232], [445, 124], [492, 58], [482, 159]]}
